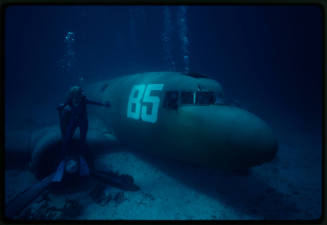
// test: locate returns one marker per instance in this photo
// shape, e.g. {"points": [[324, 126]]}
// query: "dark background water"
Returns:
{"points": [[267, 57]]}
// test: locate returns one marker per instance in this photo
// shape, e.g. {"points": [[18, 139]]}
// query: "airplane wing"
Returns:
{"points": [[43, 146]]}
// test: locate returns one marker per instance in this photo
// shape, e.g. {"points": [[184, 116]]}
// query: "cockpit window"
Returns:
{"points": [[205, 98], [187, 97], [171, 100], [220, 99]]}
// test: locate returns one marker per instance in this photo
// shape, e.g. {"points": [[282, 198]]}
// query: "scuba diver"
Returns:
{"points": [[73, 114]]}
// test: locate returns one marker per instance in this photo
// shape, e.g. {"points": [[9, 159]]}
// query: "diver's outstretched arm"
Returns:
{"points": [[88, 101]]}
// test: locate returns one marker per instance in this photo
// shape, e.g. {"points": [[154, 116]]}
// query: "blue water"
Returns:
{"points": [[268, 58]]}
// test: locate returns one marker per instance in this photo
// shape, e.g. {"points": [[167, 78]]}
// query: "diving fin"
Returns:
{"points": [[59, 172], [83, 167], [125, 182]]}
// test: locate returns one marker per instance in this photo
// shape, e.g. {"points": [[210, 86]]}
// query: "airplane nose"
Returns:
{"points": [[235, 138], [253, 140]]}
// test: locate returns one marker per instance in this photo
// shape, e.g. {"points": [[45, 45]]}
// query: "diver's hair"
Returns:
{"points": [[74, 91]]}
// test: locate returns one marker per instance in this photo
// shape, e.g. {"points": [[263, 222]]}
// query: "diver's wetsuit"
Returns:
{"points": [[77, 118], [71, 118]]}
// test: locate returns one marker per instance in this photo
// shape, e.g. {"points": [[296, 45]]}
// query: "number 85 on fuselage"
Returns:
{"points": [[142, 94]]}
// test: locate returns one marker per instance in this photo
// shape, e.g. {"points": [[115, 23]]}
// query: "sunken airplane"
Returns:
{"points": [[168, 114]]}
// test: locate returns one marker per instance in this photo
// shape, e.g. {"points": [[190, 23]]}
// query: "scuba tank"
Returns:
{"points": [[64, 116]]}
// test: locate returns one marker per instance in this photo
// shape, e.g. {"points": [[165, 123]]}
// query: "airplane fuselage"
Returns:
{"points": [[184, 118]]}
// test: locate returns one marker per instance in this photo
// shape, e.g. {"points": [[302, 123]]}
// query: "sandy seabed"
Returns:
{"points": [[289, 187]]}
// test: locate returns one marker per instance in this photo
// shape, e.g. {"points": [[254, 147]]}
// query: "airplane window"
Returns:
{"points": [[187, 97], [171, 100], [205, 98]]}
